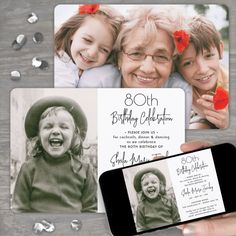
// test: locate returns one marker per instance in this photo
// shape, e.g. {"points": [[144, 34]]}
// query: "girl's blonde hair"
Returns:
{"points": [[150, 19], [106, 14]]}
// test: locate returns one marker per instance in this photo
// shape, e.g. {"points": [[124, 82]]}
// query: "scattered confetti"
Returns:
{"points": [[15, 75], [38, 228], [43, 226], [76, 225], [38, 37], [36, 62], [49, 227], [19, 42], [32, 18], [44, 65], [39, 63]]}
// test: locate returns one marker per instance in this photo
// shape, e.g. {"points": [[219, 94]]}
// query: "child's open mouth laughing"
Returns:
{"points": [[55, 142], [151, 192]]}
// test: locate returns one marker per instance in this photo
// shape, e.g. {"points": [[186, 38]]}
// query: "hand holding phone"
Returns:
{"points": [[194, 185]]}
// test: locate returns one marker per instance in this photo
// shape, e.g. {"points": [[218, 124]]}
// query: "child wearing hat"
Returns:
{"points": [[54, 178], [155, 208]]}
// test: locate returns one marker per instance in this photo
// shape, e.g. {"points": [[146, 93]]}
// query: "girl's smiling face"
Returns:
{"points": [[91, 44], [150, 185], [56, 132]]}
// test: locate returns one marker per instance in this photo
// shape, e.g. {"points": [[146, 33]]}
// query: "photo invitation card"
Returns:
{"points": [[63, 139], [118, 53]]}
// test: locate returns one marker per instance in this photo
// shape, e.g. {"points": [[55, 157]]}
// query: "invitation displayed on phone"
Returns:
{"points": [[196, 185], [124, 126], [191, 189]]}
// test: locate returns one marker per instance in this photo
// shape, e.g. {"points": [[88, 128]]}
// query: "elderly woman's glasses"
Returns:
{"points": [[140, 56]]}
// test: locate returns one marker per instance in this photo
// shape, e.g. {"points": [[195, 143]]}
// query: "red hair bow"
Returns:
{"points": [[221, 98], [181, 39], [88, 8]]}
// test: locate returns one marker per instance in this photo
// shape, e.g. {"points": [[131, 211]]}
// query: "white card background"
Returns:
{"points": [[196, 185], [135, 125]]}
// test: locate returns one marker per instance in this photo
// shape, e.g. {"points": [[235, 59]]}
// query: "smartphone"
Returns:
{"points": [[170, 191]]}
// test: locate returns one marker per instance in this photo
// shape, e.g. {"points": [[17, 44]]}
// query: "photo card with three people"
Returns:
{"points": [[148, 46]]}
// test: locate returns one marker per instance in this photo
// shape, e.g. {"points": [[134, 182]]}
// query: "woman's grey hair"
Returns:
{"points": [[150, 19]]}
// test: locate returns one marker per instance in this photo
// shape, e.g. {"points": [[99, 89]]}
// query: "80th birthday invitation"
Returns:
{"points": [[119, 127], [190, 182], [139, 125]]}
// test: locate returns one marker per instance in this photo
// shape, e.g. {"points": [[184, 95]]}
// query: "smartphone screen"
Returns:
{"points": [[170, 191]]}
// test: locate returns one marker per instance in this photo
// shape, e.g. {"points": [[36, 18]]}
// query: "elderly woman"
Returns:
{"points": [[145, 49]]}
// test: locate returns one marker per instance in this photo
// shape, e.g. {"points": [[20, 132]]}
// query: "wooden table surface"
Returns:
{"points": [[13, 22]]}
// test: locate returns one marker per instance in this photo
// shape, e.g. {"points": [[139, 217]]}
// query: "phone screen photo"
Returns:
{"points": [[170, 191], [173, 190]]}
